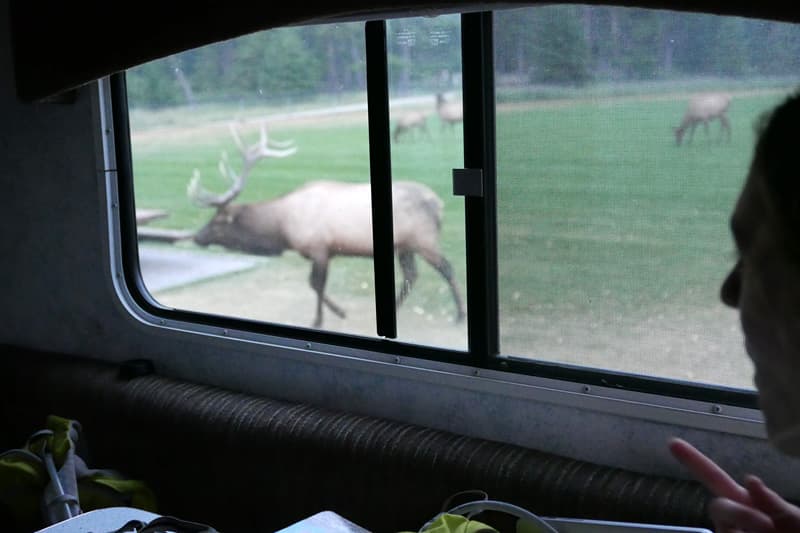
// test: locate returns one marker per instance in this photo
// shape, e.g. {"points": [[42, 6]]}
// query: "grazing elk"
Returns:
{"points": [[413, 120], [703, 109], [320, 220], [449, 113]]}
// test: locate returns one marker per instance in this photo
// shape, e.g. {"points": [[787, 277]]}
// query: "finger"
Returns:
{"points": [[729, 515], [708, 472], [785, 515]]}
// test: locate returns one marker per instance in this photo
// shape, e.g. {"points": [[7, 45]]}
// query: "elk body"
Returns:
{"points": [[703, 109], [413, 120], [321, 220], [449, 113]]}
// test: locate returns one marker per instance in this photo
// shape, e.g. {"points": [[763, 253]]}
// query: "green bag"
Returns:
{"points": [[46, 481], [455, 523], [458, 518]]}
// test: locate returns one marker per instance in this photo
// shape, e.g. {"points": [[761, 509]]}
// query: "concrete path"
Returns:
{"points": [[165, 267]]}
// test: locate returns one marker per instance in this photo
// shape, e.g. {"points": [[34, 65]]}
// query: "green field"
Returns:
{"points": [[604, 223], [613, 235], [597, 197]]}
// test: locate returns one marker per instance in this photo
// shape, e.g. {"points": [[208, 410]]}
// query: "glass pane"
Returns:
{"points": [[623, 137], [265, 138], [427, 144]]}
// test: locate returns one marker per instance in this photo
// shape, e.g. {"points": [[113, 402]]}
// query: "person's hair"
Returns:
{"points": [[777, 156]]}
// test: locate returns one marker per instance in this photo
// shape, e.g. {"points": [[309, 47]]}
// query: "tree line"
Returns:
{"points": [[571, 45]]}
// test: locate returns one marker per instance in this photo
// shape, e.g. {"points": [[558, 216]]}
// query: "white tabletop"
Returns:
{"points": [[324, 522], [100, 520]]}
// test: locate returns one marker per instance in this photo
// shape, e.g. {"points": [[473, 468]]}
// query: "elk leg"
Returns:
{"points": [[319, 274], [691, 133], [724, 127], [318, 279], [409, 267], [338, 311], [442, 265]]}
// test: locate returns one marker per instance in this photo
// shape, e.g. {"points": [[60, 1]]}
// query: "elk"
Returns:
{"points": [[703, 109], [449, 113], [321, 220], [409, 122]]}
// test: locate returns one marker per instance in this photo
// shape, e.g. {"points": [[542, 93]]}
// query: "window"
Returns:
{"points": [[612, 190]]}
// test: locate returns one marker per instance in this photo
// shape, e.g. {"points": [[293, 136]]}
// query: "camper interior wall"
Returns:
{"points": [[57, 284]]}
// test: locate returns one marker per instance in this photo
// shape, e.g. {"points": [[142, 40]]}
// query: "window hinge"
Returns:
{"points": [[468, 182]]}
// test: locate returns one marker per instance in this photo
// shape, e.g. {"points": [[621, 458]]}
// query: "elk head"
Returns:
{"points": [[243, 227]]}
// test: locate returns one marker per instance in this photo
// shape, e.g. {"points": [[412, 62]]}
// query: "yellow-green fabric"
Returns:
{"points": [[454, 523], [22, 480], [58, 439], [27, 494], [98, 491]]}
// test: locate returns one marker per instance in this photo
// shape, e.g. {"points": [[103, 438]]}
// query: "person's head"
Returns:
{"points": [[765, 282]]}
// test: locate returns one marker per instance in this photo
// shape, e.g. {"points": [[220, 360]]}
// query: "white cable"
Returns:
{"points": [[51, 470]]}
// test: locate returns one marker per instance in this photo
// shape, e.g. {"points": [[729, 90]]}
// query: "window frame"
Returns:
{"points": [[483, 352]]}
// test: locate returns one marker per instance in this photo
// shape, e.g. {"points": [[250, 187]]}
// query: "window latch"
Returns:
{"points": [[468, 182]]}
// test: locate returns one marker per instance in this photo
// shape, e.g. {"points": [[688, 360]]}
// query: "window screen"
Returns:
{"points": [[251, 170], [623, 138]]}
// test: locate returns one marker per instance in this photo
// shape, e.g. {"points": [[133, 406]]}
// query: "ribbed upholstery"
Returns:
{"points": [[245, 463]]}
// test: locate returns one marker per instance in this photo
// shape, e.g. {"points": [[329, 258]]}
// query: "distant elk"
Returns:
{"points": [[450, 113], [703, 109], [410, 121], [321, 220]]}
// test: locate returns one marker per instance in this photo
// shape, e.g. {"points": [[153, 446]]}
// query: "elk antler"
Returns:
{"points": [[251, 154]]}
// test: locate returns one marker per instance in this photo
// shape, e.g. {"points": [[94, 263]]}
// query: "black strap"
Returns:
{"points": [[164, 524]]}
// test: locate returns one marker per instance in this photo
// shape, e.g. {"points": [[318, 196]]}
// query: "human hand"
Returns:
{"points": [[752, 507]]}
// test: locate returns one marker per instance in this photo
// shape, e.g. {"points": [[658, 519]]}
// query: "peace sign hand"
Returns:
{"points": [[751, 507]]}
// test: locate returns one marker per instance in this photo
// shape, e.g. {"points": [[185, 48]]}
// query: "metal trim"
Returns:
{"points": [[480, 212]]}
